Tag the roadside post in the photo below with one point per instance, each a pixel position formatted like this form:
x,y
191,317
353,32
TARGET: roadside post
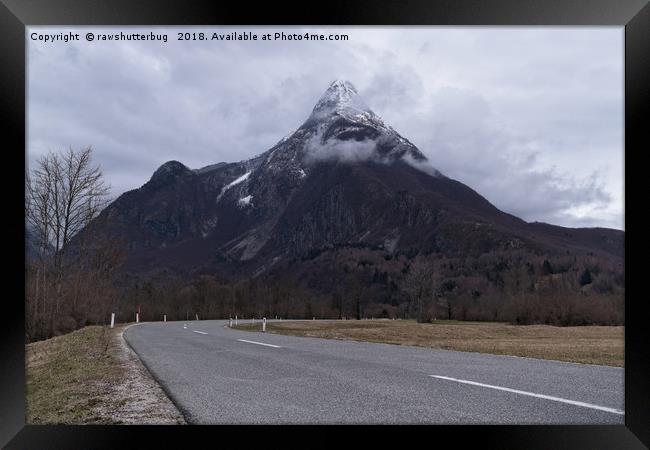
x,y
236,321
165,318
253,320
264,325
230,323
197,317
112,320
137,317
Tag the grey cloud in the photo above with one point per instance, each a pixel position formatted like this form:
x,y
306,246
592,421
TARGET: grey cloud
x,y
465,142
318,149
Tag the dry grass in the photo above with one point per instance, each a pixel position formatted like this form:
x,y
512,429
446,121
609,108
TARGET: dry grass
x,y
90,376
588,344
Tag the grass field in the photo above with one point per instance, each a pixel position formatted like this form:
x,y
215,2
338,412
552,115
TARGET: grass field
x,y
89,376
588,344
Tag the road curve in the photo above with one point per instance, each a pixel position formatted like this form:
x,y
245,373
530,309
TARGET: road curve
x,y
217,375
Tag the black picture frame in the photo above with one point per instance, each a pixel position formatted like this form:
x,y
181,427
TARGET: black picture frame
x,y
15,15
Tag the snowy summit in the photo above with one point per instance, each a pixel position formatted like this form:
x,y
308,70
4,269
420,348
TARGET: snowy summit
x,y
343,99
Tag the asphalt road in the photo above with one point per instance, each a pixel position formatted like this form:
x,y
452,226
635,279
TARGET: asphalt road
x,y
215,376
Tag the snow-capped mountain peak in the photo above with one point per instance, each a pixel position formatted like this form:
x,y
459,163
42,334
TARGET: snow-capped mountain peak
x,y
342,121
340,97
341,127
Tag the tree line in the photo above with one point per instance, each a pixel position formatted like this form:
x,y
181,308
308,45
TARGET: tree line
x,y
503,286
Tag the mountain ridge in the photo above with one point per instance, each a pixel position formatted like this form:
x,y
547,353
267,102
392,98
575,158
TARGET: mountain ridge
x,y
343,177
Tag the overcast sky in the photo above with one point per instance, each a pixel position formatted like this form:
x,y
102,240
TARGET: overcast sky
x,y
531,118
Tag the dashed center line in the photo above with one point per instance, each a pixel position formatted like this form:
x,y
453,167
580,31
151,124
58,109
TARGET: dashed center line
x,y
200,332
259,343
532,394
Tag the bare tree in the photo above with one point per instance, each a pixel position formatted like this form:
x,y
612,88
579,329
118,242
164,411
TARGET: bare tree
x,y
63,193
419,284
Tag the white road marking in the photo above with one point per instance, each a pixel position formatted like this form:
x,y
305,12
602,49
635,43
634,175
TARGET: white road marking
x,y
532,394
259,343
200,332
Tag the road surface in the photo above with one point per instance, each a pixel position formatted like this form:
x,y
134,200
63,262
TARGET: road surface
x,y
218,375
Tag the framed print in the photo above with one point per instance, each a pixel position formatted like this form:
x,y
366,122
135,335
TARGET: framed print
x,y
260,222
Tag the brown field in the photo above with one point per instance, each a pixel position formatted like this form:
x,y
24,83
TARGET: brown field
x,y
586,344
90,376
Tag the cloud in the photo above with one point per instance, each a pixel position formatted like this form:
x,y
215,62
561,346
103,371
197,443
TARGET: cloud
x,y
424,166
333,149
467,142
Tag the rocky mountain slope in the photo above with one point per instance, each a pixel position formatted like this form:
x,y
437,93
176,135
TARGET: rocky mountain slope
x,y
344,178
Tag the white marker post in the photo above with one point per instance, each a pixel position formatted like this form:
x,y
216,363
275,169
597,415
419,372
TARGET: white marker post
x,y
313,318
197,317
165,318
112,320
236,322
230,323
253,320
137,317
264,325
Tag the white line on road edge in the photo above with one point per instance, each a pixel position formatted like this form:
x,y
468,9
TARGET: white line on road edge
x,y
531,394
259,343
200,332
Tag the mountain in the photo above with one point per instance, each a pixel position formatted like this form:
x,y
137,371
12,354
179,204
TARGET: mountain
x,y
343,179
